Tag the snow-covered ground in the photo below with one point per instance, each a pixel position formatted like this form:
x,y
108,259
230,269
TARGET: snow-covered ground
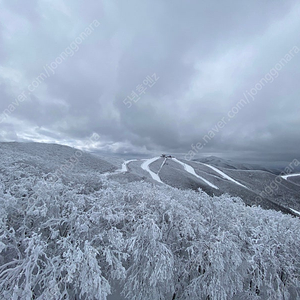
x,y
123,169
295,211
124,165
191,170
61,161
224,175
162,165
85,234
290,175
145,166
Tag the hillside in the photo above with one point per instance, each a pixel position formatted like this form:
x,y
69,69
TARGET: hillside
x,y
100,231
229,164
253,186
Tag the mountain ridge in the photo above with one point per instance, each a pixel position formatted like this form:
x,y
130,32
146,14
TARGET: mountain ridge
x,y
213,175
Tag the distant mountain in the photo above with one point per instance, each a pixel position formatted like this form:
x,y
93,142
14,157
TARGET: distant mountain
x,y
229,164
255,185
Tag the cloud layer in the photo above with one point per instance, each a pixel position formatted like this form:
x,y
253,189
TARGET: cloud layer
x,y
189,63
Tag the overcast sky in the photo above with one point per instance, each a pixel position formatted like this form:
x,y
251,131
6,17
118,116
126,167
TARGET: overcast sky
x,y
226,76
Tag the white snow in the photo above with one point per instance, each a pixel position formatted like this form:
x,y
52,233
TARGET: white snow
x,y
225,175
145,166
295,211
191,170
162,165
290,175
125,163
122,170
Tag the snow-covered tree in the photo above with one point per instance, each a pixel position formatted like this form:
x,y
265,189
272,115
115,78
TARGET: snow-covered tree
x,y
81,235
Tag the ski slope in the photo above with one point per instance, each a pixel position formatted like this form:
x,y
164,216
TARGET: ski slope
x,y
295,211
162,165
225,175
290,175
145,166
191,170
124,165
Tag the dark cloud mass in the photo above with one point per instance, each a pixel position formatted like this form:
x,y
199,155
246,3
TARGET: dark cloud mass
x,y
79,63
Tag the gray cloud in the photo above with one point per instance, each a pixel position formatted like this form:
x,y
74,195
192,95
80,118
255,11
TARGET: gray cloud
x,y
206,55
29,11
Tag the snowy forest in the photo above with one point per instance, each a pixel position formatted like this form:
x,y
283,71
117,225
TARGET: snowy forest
x,y
84,236
149,150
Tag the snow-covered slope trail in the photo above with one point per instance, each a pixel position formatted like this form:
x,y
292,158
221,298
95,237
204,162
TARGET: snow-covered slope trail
x,y
295,211
162,165
145,166
290,175
124,169
224,175
191,170
125,163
